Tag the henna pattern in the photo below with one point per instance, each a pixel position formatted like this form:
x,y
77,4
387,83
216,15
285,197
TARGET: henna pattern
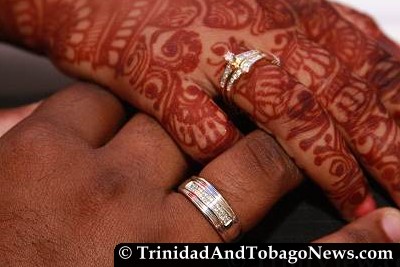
x,y
312,65
176,14
110,38
104,42
180,52
22,17
364,23
350,101
369,27
151,51
196,121
186,110
134,62
360,53
280,105
228,14
373,134
274,14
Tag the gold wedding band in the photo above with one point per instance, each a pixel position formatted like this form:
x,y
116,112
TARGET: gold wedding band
x,y
213,206
240,64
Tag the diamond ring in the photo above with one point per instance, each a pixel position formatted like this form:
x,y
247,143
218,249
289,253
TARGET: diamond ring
x,y
240,64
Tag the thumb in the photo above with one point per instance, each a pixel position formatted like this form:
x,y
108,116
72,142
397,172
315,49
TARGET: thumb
x,y
380,226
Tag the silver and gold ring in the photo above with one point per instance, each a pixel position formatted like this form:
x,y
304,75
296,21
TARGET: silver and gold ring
x,y
213,206
237,65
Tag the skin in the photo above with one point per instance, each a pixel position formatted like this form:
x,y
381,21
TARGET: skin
x,y
92,179
369,27
11,117
331,105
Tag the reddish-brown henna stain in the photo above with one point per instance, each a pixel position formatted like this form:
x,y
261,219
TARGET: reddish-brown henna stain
x,y
351,102
274,14
281,103
22,20
369,27
362,54
155,45
154,61
228,14
275,102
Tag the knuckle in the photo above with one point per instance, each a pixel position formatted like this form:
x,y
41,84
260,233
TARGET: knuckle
x,y
139,164
265,155
34,145
105,186
306,105
350,99
97,193
85,90
85,93
33,139
149,126
140,169
32,132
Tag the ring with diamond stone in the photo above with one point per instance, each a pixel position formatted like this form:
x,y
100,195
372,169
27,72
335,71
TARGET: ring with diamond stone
x,y
213,206
240,64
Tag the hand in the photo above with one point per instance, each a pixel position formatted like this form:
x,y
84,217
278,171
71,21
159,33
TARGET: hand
x,y
165,57
72,185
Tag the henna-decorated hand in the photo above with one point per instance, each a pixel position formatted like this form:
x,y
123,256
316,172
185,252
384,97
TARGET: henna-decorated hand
x,y
72,186
338,89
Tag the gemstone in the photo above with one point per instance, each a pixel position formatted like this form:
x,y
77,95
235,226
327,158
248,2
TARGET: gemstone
x,y
229,56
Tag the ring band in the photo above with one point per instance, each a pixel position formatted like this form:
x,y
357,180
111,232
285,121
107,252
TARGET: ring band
x,y
240,64
213,206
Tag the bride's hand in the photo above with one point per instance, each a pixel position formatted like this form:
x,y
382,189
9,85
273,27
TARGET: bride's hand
x,y
336,90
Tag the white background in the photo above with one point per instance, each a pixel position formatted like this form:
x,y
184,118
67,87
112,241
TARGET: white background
x,y
385,12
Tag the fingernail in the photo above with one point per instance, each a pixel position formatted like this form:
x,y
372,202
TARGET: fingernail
x,y
391,226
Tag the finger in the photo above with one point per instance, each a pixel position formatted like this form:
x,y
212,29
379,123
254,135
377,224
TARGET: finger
x,y
251,176
82,111
360,54
291,113
143,73
354,106
369,27
181,106
380,226
143,144
196,122
11,117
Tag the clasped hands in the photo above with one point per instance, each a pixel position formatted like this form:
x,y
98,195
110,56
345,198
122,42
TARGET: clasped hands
x,y
331,106
77,178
